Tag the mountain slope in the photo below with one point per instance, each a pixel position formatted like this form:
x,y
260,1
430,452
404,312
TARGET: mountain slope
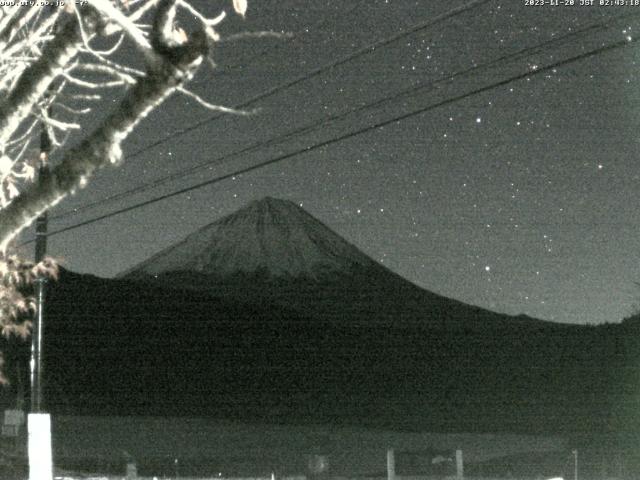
x,y
269,235
126,347
274,252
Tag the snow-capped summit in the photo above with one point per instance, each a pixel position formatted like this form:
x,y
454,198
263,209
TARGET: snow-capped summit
x,y
268,235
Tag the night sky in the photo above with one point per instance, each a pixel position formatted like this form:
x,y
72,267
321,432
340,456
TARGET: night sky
x,y
520,198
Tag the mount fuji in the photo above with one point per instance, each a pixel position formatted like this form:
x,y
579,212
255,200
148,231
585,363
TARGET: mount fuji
x,y
274,252
271,236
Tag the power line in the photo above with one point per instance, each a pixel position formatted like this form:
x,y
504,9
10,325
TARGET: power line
x,y
326,121
317,71
194,126
352,134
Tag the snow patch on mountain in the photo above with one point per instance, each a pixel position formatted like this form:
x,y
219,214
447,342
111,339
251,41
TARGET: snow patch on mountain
x,y
269,235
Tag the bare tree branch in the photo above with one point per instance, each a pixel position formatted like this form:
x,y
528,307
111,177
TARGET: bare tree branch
x,y
35,80
103,146
106,7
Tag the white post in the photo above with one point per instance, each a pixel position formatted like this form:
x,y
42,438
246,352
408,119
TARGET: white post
x,y
391,465
459,464
40,457
132,471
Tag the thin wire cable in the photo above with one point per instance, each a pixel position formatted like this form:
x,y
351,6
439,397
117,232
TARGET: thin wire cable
x,y
192,127
340,138
317,71
326,121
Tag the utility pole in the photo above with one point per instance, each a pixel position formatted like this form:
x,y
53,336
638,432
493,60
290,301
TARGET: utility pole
x,y
391,464
40,284
459,464
575,464
39,423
